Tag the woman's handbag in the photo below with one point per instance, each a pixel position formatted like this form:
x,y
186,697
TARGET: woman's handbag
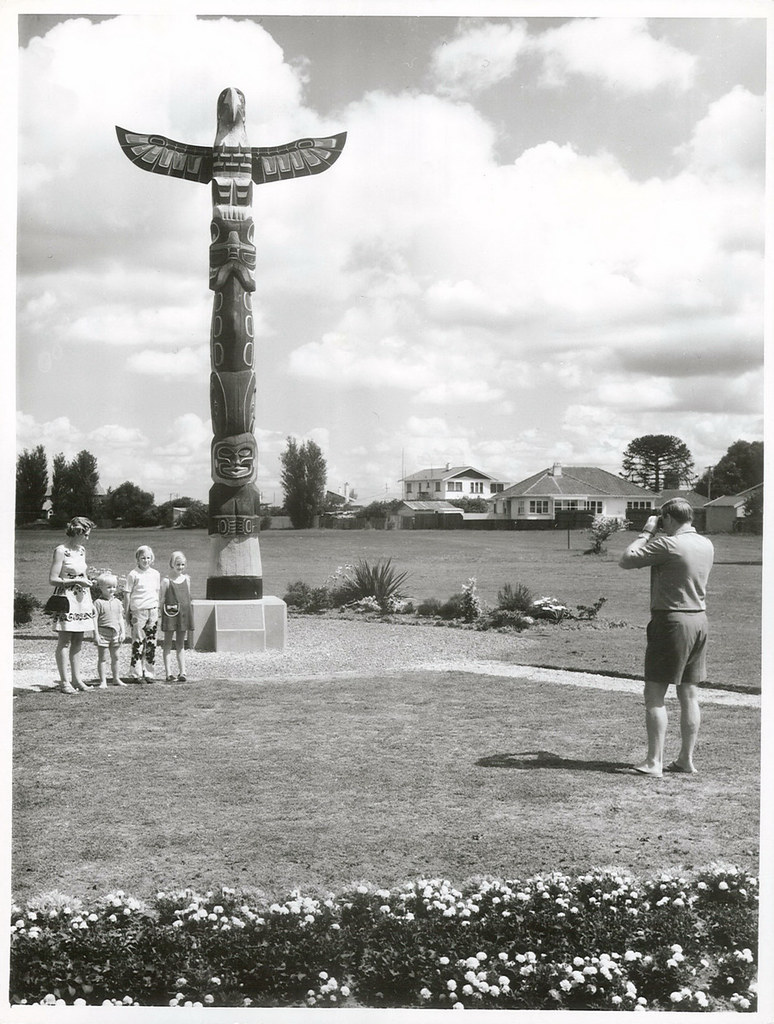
x,y
57,604
171,609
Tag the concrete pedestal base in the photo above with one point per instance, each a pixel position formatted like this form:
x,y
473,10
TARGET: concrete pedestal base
x,y
240,627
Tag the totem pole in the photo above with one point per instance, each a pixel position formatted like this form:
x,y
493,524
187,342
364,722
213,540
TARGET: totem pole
x,y
235,572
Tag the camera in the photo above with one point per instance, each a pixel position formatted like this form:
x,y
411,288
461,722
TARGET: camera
x,y
659,523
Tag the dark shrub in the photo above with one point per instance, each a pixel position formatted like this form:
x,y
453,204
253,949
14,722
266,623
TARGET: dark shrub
x,y
23,607
500,618
454,608
429,607
298,595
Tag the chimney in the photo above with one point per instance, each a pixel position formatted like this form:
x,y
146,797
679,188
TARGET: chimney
x,y
448,466
556,469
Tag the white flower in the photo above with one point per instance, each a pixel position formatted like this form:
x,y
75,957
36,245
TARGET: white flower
x,y
481,956
345,990
722,885
676,997
451,984
467,990
425,993
458,1006
443,960
209,998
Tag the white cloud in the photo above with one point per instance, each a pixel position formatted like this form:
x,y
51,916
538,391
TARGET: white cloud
x,y
479,56
729,140
421,272
620,52
185,363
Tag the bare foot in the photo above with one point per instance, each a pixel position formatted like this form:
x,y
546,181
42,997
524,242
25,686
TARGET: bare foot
x,y
66,688
82,688
645,769
102,686
118,682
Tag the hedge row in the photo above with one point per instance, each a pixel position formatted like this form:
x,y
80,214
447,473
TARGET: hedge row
x,y
597,941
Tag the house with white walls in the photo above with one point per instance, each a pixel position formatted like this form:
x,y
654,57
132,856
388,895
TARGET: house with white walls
x,y
567,489
446,483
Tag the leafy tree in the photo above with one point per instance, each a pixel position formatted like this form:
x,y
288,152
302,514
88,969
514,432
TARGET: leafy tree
x,y
31,483
741,467
753,511
195,516
470,504
379,509
303,481
165,509
74,487
130,504
653,459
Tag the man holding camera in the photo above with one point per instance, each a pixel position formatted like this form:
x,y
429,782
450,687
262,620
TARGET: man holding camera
x,y
680,561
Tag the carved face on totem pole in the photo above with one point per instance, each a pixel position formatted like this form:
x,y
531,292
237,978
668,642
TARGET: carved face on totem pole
x,y
233,460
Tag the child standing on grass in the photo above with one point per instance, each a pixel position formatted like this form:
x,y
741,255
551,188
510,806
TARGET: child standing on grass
x,y
109,630
176,614
141,603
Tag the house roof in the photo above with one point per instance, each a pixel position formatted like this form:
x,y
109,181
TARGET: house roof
x,y
575,481
694,499
447,473
431,506
733,499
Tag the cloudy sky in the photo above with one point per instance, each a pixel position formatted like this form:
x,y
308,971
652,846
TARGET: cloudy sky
x,y
543,239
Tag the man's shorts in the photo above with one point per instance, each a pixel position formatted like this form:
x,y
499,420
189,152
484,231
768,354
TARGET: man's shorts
x,y
677,648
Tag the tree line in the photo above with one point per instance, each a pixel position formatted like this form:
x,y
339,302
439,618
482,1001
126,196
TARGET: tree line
x,y
654,461
75,491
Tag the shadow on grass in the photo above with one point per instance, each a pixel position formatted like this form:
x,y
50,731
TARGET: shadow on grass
x,y
545,759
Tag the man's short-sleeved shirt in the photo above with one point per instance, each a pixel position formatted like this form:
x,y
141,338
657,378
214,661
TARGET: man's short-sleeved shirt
x,y
679,568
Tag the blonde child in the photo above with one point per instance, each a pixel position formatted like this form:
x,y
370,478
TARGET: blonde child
x,y
141,604
109,630
176,613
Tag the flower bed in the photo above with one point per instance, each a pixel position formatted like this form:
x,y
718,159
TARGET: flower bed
x,y
597,941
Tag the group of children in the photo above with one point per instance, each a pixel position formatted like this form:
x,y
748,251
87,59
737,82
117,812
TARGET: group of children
x,y
149,602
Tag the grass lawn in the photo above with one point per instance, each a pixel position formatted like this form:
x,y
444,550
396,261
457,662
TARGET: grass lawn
x,y
322,783
440,561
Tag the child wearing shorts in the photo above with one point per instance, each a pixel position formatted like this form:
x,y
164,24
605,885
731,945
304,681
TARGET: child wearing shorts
x,y
109,630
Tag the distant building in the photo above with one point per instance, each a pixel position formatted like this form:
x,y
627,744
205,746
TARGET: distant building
x,y
572,489
725,514
450,482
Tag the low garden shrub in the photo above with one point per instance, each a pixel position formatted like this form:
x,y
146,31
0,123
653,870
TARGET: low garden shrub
x,y
23,606
602,940
515,599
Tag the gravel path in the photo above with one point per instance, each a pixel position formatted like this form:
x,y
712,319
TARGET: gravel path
x,y
334,648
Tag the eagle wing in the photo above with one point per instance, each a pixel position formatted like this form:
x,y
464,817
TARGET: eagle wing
x,y
165,156
296,159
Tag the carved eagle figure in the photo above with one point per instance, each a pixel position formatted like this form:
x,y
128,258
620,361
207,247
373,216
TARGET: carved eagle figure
x,y
198,163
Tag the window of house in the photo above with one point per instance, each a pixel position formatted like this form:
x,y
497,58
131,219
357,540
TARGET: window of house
x,y
538,506
496,488
639,504
437,485
408,488
476,487
520,509
593,506
565,504
454,485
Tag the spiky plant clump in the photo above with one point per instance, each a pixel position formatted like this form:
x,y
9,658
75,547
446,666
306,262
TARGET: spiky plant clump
x,y
380,581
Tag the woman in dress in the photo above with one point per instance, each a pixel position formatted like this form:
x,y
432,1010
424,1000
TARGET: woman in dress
x,y
68,578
